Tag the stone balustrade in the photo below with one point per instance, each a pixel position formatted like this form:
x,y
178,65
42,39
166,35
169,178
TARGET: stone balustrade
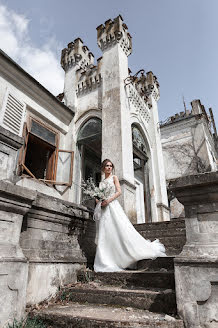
x,y
41,247
196,267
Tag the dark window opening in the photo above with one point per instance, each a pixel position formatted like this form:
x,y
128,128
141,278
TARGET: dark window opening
x,y
39,157
90,143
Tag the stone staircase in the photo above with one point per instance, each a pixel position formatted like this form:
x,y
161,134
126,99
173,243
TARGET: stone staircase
x,y
171,233
144,297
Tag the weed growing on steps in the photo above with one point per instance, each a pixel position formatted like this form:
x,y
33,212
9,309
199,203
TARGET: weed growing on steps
x,y
27,323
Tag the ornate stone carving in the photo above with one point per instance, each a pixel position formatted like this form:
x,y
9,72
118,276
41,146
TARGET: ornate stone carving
x,y
139,90
113,32
89,80
138,104
152,86
76,53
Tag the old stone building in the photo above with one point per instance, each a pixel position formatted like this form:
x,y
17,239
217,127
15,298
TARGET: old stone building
x,y
105,113
49,144
189,143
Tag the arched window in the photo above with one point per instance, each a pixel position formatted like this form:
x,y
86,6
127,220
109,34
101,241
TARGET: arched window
x,y
138,140
91,130
89,142
141,173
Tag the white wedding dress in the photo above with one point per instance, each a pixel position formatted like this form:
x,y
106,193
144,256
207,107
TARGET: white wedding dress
x,y
119,245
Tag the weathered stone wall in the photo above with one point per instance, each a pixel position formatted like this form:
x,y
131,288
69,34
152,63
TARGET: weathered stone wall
x,y
188,147
14,204
196,267
10,143
36,102
41,240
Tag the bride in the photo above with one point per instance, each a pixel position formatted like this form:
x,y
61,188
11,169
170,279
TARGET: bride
x,y
119,245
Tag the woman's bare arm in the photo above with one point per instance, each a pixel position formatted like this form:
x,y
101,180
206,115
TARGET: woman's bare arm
x,y
118,189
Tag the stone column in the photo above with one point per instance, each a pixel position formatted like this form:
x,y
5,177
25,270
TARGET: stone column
x,y
115,43
161,198
196,268
15,201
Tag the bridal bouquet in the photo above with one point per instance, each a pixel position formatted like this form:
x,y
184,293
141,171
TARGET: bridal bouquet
x,y
89,188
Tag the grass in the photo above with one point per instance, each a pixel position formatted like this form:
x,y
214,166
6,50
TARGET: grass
x,y
28,323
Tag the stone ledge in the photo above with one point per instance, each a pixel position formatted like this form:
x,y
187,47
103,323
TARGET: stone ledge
x,y
17,191
10,138
13,259
196,180
54,205
51,261
202,261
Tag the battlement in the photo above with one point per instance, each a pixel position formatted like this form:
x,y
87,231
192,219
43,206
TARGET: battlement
x,y
145,85
76,53
89,80
197,109
113,32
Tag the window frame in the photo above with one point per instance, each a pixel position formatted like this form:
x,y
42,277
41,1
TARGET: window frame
x,y
53,170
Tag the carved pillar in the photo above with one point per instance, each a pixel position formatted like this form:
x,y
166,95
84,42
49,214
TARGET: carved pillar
x,y
15,201
196,268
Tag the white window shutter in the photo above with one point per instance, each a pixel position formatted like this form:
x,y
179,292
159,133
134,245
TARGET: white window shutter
x,y
13,114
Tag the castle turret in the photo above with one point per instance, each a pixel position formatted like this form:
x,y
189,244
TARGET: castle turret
x,y
75,56
112,33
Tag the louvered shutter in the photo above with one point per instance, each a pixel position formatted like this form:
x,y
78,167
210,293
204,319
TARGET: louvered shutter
x,y
13,114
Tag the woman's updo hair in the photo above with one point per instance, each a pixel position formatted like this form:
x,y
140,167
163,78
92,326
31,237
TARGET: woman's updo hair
x,y
104,163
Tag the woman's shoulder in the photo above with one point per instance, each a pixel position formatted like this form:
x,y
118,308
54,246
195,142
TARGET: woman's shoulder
x,y
115,178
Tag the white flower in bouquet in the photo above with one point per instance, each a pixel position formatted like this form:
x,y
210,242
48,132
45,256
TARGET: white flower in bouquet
x,y
100,193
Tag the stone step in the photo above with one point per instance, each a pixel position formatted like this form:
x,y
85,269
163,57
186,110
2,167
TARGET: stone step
x,y
166,225
143,279
176,241
159,264
173,245
160,301
99,316
164,233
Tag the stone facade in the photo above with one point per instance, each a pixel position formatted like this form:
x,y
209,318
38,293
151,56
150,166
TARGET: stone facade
x,y
49,144
108,92
196,267
189,142
101,106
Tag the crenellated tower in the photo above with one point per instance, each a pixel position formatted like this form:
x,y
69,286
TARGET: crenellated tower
x,y
113,32
116,44
107,92
73,58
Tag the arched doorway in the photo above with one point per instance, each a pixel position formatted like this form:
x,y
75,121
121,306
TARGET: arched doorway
x,y
89,142
141,174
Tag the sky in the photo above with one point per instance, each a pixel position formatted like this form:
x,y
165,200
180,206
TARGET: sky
x,y
176,39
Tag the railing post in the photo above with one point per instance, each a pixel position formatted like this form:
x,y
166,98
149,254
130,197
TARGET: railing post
x,y
196,267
